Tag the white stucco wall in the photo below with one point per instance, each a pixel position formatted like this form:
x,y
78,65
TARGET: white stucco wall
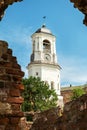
x,y
46,72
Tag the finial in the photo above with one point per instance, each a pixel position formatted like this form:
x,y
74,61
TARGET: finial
x,y
44,18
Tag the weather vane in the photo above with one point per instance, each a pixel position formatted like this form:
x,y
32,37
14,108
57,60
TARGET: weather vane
x,y
44,19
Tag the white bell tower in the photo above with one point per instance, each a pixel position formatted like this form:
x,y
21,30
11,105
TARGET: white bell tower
x,y
43,60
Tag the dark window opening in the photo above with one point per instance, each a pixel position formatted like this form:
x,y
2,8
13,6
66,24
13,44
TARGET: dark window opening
x,y
46,45
36,73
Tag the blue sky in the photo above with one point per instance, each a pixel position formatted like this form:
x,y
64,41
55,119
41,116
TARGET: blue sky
x,y
66,23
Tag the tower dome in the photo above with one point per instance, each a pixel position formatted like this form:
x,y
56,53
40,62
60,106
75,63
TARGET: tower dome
x,y
44,29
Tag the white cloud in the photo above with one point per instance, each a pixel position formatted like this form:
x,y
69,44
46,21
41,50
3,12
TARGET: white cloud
x,y
74,70
17,34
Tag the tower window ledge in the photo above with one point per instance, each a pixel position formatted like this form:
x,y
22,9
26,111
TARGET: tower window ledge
x,y
47,50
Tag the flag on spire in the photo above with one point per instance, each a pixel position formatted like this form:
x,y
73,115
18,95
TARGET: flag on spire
x,y
44,17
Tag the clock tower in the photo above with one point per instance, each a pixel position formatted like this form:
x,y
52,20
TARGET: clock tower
x,y
43,60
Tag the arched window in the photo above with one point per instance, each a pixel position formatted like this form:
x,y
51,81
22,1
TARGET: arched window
x,y
52,85
46,46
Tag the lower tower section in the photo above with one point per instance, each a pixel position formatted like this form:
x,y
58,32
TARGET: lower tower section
x,y
49,73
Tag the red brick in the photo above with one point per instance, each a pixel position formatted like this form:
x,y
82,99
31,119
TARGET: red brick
x,y
20,86
18,114
17,100
3,64
10,84
14,92
5,77
4,121
10,76
14,120
14,72
17,66
16,78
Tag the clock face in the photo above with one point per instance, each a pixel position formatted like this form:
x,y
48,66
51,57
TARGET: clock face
x,y
47,57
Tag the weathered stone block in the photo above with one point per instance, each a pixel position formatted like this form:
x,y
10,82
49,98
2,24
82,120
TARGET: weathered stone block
x,y
5,108
3,94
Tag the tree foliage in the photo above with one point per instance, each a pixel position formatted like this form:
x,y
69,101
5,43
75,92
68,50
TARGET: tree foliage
x,y
37,95
77,92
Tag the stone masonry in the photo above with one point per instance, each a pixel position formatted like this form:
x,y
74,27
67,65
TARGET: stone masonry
x,y
10,89
74,117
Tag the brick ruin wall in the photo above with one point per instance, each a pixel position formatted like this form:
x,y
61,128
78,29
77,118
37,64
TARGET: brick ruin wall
x,y
10,89
67,93
74,117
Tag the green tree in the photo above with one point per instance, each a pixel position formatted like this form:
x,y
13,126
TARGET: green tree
x,y
77,92
37,95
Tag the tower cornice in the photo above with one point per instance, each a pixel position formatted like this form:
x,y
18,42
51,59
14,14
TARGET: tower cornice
x,y
45,64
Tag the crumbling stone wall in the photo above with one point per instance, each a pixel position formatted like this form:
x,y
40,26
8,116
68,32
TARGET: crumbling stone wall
x,y
10,89
46,120
74,117
67,93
